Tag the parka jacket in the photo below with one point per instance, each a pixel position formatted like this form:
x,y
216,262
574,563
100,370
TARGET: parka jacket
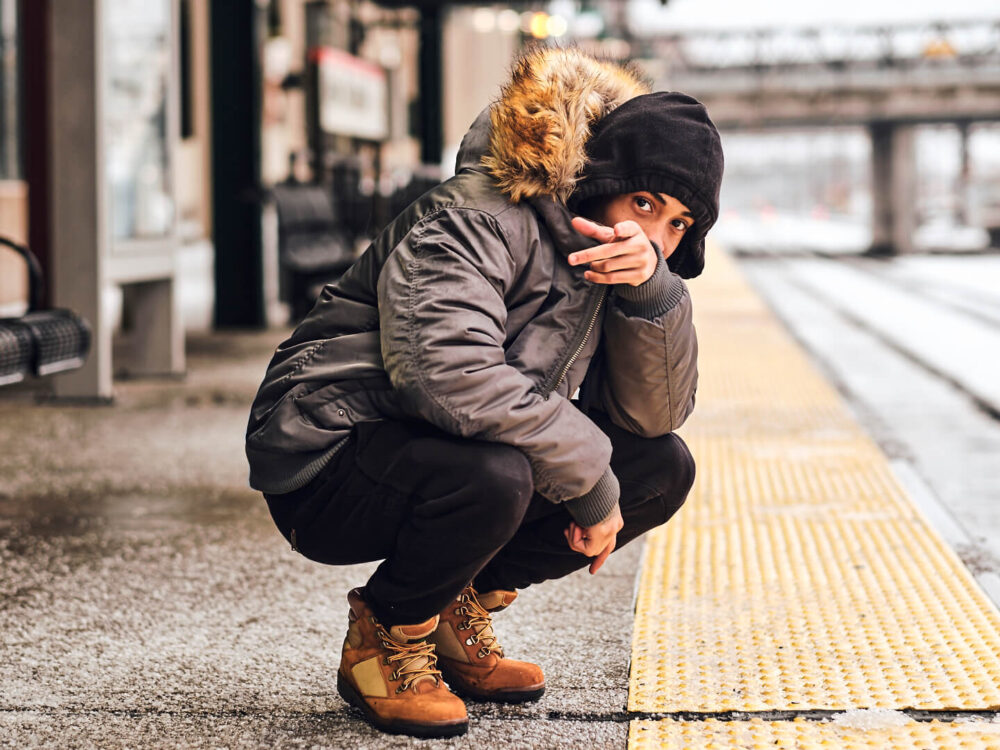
x,y
465,313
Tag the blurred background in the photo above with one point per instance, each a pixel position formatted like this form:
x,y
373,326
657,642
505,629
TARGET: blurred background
x,y
186,165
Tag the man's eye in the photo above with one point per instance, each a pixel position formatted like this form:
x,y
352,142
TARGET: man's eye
x,y
644,204
680,225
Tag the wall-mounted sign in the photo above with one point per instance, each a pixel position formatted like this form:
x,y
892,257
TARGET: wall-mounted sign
x,y
353,97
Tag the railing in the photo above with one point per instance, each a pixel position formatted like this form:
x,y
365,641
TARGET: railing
x,y
967,43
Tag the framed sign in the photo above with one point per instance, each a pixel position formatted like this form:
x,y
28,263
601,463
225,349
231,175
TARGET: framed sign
x,y
352,95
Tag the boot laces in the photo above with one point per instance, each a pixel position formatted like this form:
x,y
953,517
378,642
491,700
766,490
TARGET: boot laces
x,y
479,620
414,660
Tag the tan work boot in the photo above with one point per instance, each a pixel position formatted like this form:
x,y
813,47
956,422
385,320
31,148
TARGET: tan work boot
x,y
391,676
470,657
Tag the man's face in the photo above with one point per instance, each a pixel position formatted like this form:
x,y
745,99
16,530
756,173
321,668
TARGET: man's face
x,y
662,217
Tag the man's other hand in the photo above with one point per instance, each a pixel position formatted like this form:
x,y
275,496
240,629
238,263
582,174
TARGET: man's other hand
x,y
597,541
626,257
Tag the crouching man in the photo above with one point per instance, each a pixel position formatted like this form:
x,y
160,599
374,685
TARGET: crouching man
x,y
424,413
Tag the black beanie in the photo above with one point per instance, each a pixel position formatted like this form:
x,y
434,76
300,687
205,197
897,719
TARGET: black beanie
x,y
663,143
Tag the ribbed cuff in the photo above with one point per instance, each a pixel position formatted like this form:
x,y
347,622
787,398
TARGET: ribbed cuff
x,y
655,296
596,505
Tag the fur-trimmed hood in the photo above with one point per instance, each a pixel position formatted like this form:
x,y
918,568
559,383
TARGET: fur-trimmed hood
x,y
542,121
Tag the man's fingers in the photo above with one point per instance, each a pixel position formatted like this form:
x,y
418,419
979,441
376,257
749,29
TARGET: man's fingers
x,y
625,229
592,229
619,263
601,252
599,560
575,539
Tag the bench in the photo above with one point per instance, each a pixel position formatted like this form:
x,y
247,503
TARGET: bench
x,y
40,342
313,248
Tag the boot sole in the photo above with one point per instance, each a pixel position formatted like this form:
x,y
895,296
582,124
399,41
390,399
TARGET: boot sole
x,y
508,696
422,729
520,696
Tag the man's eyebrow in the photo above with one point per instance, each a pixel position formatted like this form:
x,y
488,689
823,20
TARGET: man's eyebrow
x,y
663,201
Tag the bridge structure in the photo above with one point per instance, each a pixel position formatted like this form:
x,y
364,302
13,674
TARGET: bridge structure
x,y
886,78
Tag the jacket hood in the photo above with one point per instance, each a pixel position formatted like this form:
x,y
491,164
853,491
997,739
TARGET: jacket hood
x,y
540,125
664,143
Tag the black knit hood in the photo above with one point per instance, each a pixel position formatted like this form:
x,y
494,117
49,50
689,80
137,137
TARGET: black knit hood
x,y
663,142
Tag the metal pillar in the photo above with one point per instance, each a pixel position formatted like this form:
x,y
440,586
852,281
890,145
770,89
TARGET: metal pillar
x,y
894,188
239,273
35,25
431,75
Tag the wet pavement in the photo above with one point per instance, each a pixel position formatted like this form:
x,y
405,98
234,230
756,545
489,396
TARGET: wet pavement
x,y
147,601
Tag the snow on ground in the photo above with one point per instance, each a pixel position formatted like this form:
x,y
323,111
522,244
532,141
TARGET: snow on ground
x,y
777,233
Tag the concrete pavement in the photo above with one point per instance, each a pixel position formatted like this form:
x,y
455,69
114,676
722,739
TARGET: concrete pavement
x,y
147,601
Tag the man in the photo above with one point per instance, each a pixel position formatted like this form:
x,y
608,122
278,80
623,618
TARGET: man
x,y
423,414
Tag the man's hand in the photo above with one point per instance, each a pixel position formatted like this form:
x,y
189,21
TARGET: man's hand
x,y
626,257
597,541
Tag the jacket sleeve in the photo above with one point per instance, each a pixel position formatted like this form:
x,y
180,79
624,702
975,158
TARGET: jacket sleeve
x,y
648,374
443,318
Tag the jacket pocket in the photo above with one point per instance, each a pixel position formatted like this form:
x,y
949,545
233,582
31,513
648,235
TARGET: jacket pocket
x,y
339,406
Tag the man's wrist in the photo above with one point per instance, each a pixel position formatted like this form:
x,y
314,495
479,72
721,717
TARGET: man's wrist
x,y
598,504
655,296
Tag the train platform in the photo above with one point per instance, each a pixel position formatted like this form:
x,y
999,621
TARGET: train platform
x,y
800,599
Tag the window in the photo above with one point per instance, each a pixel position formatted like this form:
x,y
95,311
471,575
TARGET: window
x,y
138,68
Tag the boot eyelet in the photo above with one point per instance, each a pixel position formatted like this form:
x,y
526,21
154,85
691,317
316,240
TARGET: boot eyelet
x,y
394,676
471,640
400,689
482,653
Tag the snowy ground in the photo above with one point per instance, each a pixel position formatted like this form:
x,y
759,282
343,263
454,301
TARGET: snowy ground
x,y
770,232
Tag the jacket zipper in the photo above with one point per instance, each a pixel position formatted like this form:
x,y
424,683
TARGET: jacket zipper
x,y
546,392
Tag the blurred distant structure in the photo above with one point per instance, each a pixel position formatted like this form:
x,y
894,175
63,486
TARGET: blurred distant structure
x,y
143,142
888,79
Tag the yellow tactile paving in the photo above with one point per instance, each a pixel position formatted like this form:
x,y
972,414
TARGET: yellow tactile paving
x,y
799,575
733,735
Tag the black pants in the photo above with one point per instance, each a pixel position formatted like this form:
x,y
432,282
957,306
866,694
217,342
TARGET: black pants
x,y
442,511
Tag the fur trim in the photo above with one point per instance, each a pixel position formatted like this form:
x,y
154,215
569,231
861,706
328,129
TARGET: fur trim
x,y
542,120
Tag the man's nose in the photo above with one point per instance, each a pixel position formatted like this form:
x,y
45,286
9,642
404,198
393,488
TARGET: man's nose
x,y
661,242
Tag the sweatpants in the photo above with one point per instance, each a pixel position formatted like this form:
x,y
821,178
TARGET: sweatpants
x,y
442,511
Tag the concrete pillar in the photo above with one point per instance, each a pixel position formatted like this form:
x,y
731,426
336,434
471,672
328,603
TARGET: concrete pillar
x,y
963,190
85,261
156,341
894,188
78,222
